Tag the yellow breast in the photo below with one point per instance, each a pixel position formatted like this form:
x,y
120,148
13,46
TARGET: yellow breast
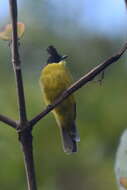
x,y
56,78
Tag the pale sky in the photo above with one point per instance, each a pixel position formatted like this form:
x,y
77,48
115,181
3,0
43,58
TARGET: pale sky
x,y
107,15
3,8
104,16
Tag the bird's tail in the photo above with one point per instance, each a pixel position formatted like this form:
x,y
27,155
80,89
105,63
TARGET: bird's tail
x,y
69,138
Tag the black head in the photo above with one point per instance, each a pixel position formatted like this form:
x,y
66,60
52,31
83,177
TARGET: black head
x,y
54,56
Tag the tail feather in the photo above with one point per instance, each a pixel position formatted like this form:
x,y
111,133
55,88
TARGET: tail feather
x,y
69,138
74,133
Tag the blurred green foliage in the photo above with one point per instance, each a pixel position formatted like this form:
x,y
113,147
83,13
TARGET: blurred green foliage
x,y
101,111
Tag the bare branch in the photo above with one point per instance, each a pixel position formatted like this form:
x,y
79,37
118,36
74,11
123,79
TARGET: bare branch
x,y
126,2
78,84
25,137
8,121
16,62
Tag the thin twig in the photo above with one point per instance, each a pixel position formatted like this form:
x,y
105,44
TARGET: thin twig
x,y
16,62
25,137
81,82
8,121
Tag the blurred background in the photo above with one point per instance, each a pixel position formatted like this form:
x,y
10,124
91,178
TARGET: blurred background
x,y
88,32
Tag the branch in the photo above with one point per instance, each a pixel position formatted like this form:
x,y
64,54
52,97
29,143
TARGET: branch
x,y
25,137
81,82
16,62
126,2
8,121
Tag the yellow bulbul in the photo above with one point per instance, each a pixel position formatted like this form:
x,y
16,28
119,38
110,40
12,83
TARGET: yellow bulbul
x,y
56,78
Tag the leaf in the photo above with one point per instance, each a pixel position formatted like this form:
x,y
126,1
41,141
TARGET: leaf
x,y
123,182
121,162
6,33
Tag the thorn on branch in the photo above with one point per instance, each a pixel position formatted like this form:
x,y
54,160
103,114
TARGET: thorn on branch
x,y
100,80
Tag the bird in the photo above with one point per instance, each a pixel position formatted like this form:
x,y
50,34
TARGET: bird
x,y
55,78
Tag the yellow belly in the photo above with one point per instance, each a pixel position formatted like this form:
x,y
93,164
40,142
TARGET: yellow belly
x,y
55,78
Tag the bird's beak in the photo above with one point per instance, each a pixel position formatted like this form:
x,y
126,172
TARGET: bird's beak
x,y
64,57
